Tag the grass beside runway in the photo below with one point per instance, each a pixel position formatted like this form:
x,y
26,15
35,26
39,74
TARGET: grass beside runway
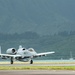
x,y
37,68
31,67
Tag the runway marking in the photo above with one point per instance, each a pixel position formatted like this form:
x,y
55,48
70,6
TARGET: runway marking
x,y
37,72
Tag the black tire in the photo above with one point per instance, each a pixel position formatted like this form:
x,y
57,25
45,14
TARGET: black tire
x,y
11,60
31,62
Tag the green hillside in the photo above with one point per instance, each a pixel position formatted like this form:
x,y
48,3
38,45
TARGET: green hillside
x,y
61,44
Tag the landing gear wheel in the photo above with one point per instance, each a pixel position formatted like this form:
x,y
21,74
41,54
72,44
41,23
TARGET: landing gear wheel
x,y
11,60
31,62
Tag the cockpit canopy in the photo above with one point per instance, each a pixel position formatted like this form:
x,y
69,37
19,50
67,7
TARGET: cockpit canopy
x,y
23,49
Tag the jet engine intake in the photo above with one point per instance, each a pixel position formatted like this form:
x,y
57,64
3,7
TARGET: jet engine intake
x,y
11,51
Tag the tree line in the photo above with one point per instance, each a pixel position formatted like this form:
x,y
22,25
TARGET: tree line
x,y
26,35
66,33
31,35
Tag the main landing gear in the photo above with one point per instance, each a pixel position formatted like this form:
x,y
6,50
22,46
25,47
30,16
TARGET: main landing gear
x,y
31,61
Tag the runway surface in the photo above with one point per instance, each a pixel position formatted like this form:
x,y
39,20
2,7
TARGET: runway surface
x,y
37,64
36,72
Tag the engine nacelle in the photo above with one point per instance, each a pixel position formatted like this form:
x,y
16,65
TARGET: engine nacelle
x,y
31,49
11,51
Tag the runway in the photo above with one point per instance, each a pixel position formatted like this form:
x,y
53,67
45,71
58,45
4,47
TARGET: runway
x,y
37,64
36,72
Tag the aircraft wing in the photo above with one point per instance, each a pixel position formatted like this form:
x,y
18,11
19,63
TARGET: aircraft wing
x,y
43,54
7,55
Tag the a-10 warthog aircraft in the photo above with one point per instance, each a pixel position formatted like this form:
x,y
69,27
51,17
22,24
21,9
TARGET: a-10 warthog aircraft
x,y
22,54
